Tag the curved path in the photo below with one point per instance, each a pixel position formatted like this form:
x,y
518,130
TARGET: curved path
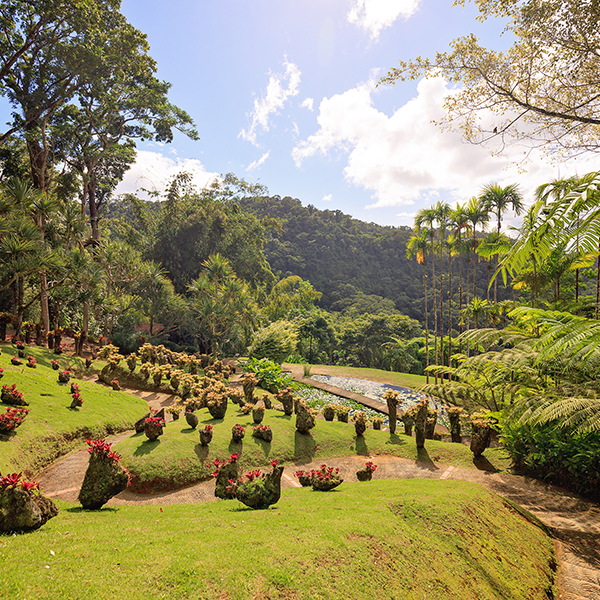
x,y
575,523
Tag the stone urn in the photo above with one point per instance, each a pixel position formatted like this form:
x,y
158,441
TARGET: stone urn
x,y
329,412
263,432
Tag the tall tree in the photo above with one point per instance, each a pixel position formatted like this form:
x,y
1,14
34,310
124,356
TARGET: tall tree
x,y
498,199
419,246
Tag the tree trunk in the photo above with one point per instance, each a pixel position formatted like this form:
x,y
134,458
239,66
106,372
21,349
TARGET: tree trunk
x,y
426,322
435,316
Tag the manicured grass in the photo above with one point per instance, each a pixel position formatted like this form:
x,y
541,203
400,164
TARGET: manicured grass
x,y
177,459
391,377
386,539
52,428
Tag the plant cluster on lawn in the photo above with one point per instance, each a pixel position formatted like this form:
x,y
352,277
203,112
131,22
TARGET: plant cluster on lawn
x,y
14,479
268,374
12,418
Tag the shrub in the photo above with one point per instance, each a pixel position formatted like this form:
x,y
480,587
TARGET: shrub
x,y
268,374
558,456
275,342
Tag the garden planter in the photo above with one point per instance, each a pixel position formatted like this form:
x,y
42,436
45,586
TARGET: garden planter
x,y
420,423
64,377
263,432
24,509
217,410
237,434
364,475
205,436
11,419
304,420
324,484
76,403
304,478
153,431
262,492
258,415
342,416
329,413
391,398
480,438
103,479
191,419
377,424
286,397
11,395
360,428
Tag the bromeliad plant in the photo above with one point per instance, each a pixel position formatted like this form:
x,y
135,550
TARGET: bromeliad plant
x,y
263,432
325,479
237,433
11,395
31,362
55,365
14,480
12,418
256,489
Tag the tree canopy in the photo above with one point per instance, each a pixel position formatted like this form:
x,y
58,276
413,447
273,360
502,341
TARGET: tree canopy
x,y
543,89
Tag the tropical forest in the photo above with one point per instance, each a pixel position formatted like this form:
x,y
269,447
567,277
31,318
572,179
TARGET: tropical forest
x,y
210,390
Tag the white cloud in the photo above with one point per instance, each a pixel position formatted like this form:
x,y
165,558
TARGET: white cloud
x,y
308,103
404,159
375,15
153,171
257,163
273,100
327,198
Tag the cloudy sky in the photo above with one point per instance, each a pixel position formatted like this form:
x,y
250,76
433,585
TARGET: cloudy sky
x,y
284,93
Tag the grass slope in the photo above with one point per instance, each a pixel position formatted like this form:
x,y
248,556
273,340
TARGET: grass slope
x,y
177,459
386,539
52,428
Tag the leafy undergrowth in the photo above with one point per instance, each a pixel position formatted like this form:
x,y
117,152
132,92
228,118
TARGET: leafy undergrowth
x,y
52,428
386,539
177,458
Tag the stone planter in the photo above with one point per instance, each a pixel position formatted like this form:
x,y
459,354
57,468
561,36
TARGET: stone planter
x,y
263,433
258,414
305,480
237,434
104,479
217,410
364,475
420,423
360,427
24,510
342,416
205,436
324,485
64,377
304,420
191,419
153,431
480,438
262,492
329,413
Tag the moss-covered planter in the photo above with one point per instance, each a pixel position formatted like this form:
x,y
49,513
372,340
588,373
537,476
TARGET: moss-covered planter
x,y
421,423
342,413
191,419
454,413
286,397
263,432
391,398
329,412
206,435
325,479
228,471
304,419
103,479
364,475
480,437
153,431
24,509
258,414
237,433
261,492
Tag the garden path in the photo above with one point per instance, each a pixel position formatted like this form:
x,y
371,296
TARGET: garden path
x,y
574,523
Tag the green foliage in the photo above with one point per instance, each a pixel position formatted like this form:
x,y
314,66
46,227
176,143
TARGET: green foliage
x,y
556,455
275,342
363,340
268,374
290,294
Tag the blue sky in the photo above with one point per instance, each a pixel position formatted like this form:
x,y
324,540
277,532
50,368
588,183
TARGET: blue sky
x,y
283,93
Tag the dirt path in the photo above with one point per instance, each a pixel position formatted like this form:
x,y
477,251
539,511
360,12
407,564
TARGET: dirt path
x,y
575,523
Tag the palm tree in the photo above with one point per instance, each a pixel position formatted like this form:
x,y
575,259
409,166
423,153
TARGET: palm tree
x,y
477,216
426,218
460,247
442,217
419,246
497,199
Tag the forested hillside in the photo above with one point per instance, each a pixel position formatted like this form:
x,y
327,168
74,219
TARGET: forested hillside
x,y
341,256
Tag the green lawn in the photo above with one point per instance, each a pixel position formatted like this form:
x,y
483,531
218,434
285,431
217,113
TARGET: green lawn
x,y
391,377
177,459
52,428
386,539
